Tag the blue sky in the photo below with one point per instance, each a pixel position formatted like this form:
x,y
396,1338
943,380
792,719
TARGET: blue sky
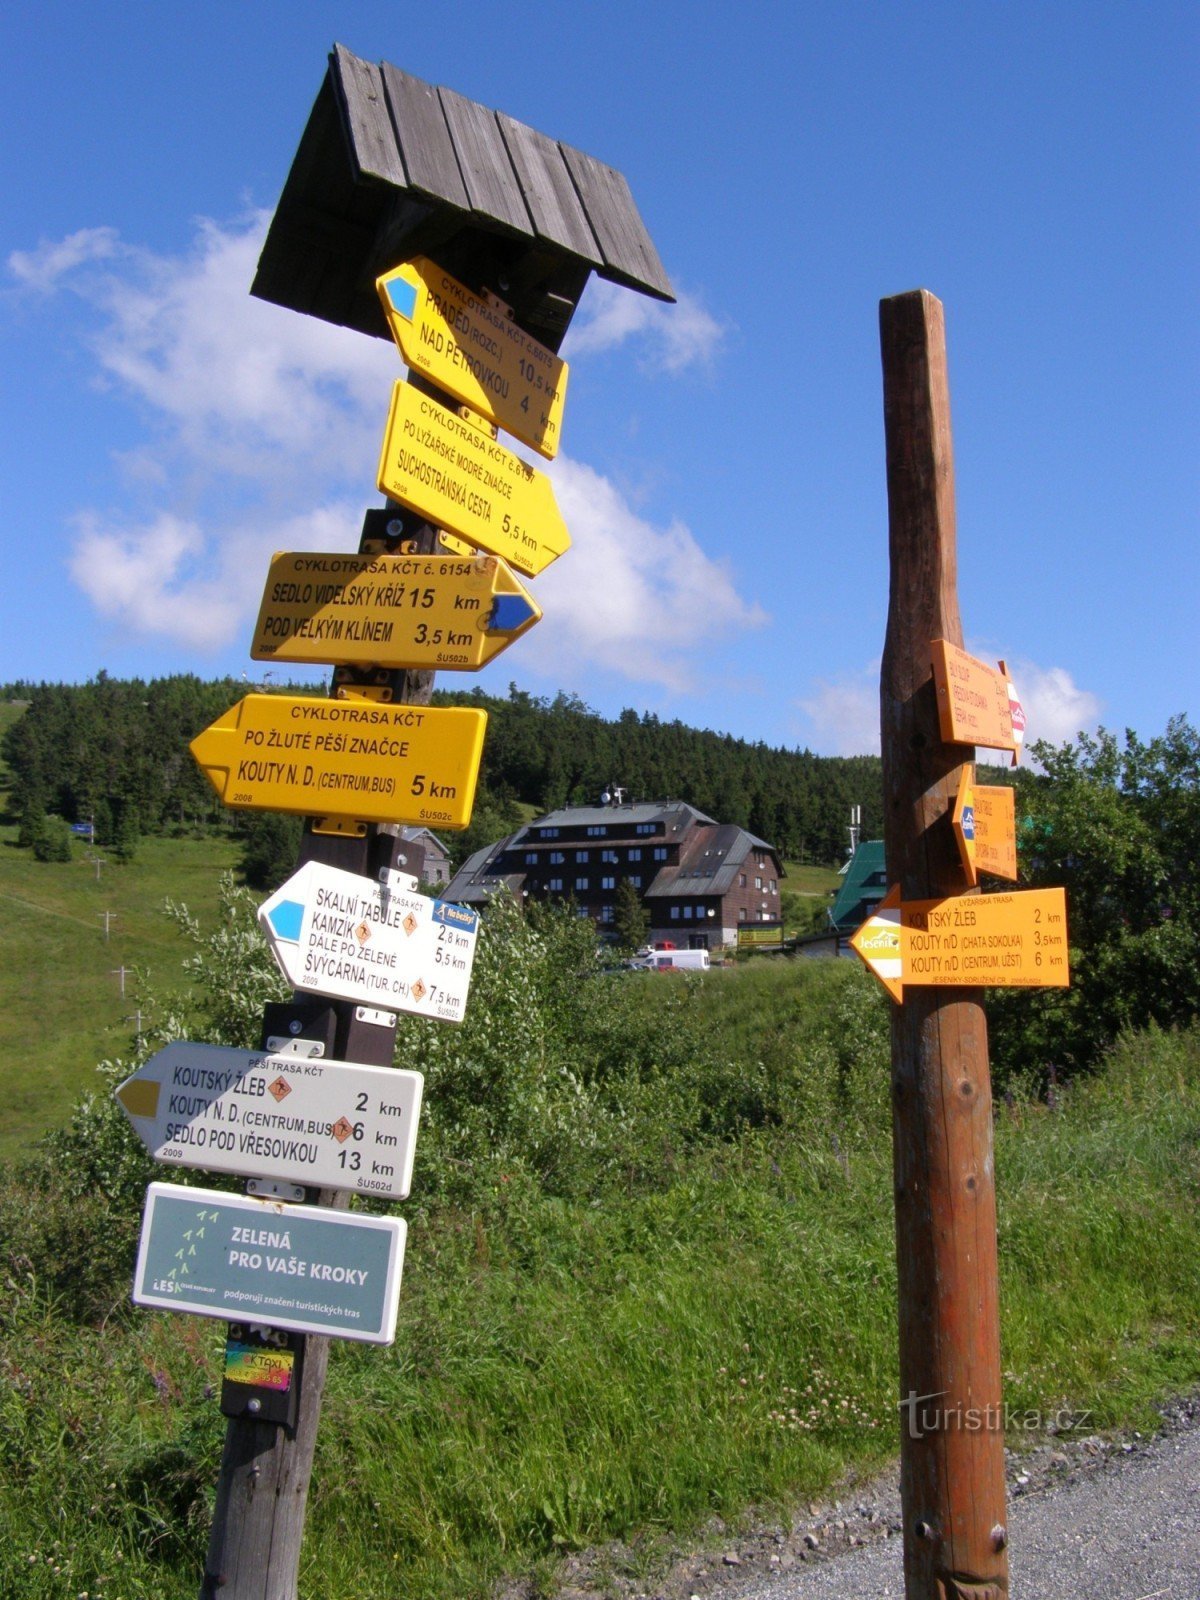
x,y
722,472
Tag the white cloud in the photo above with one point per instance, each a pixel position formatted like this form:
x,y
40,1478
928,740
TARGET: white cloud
x,y
844,714
1056,708
256,415
635,599
673,336
43,268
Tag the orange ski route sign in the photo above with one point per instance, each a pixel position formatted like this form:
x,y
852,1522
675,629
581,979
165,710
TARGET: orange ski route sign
x,y
977,704
985,828
472,348
1016,940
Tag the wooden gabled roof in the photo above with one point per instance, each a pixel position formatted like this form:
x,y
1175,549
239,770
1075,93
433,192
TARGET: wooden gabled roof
x,y
390,167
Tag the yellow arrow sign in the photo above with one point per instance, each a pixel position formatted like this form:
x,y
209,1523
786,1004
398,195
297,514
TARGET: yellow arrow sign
x,y
985,827
345,758
1016,940
390,611
976,704
450,470
474,350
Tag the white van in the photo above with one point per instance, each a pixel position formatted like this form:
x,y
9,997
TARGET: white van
x,y
675,960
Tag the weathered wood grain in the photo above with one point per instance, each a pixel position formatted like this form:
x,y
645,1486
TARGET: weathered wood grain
x,y
484,162
426,147
550,193
628,252
952,1474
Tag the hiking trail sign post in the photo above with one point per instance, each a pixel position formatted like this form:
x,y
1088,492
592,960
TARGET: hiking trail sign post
x,y
935,700
486,233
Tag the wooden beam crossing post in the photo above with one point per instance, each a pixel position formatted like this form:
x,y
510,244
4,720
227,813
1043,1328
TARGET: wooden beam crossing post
x,y
952,1439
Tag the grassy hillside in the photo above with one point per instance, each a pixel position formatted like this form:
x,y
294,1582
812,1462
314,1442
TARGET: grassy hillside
x,y
60,985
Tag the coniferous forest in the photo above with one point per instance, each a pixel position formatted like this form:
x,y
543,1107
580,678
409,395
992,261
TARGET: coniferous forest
x,y
115,752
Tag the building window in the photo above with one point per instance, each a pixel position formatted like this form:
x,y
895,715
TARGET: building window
x,y
609,855
687,913
599,831
674,913
557,858
741,913
741,880
635,855
531,858
547,833
606,913
660,852
636,880
645,827
581,883
554,884
581,855
771,886
582,911
758,883
608,883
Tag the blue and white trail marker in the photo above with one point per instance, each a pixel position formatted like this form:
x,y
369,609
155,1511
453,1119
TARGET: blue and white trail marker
x,y
380,944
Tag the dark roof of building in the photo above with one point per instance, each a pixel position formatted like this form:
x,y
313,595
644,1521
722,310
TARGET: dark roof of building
x,y
709,862
711,853
390,167
624,818
863,887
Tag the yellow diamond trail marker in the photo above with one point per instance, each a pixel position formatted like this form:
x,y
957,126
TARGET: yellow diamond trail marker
x,y
1016,940
391,611
474,350
984,821
381,944
321,1123
346,758
976,703
450,470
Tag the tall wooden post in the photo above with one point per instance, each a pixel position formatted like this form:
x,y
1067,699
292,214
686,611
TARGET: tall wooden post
x,y
952,1440
262,1491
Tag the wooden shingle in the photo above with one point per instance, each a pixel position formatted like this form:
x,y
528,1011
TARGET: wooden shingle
x,y
390,167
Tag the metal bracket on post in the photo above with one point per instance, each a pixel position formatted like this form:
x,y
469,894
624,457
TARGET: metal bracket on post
x,y
262,1374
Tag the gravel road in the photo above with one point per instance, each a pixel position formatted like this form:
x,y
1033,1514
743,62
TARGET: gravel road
x,y
1089,1519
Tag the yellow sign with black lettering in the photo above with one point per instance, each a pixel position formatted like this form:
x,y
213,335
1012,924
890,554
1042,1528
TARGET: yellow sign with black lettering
x,y
346,758
449,469
391,611
472,348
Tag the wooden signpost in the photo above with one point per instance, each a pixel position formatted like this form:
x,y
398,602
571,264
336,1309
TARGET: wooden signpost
x,y
951,1475
391,611
495,230
449,468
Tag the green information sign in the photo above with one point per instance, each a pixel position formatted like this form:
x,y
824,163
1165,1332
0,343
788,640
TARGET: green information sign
x,y
299,1267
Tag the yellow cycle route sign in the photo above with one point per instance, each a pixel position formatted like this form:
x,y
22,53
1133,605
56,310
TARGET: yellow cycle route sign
x,y
390,611
346,758
450,470
474,350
